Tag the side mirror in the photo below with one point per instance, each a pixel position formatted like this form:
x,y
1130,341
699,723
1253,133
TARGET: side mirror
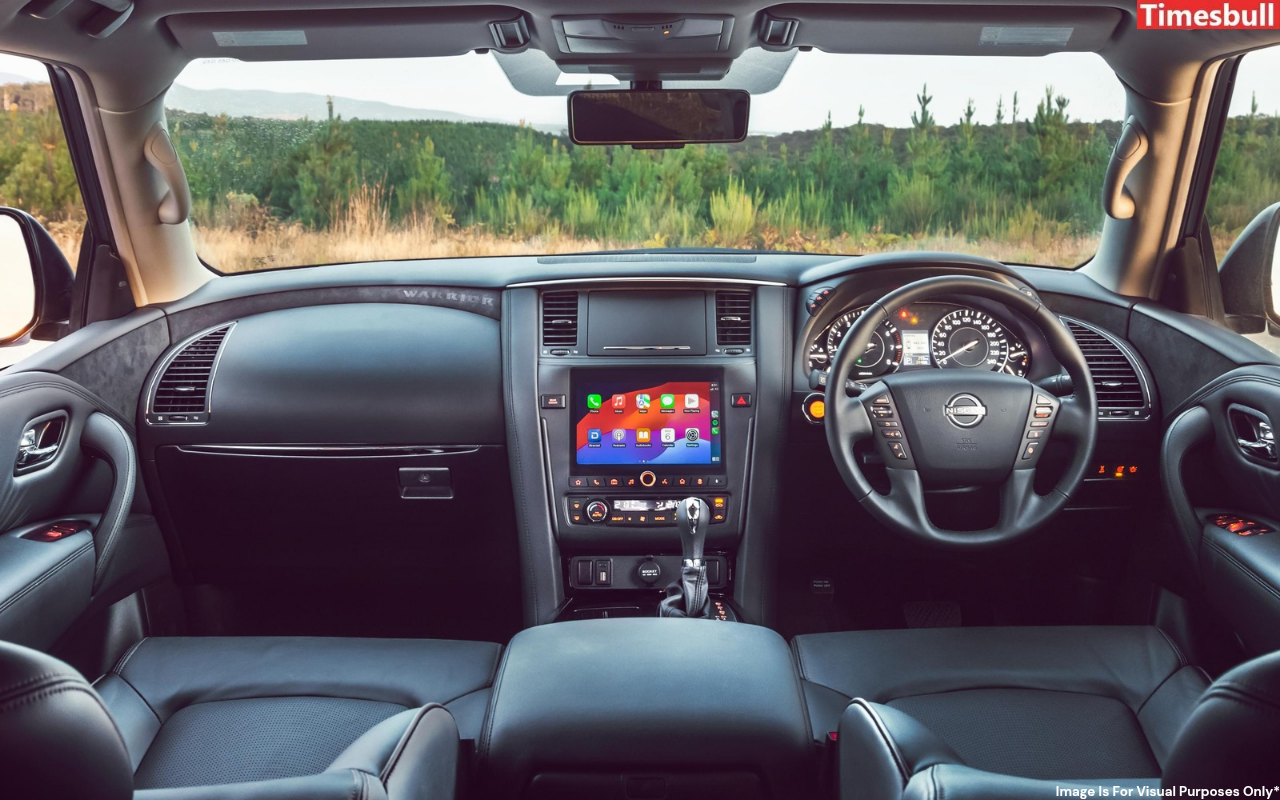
x,y
1250,276
35,281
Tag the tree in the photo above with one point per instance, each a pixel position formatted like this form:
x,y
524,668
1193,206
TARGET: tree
x,y
324,173
426,189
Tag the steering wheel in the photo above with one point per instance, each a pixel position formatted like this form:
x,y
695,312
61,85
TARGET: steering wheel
x,y
949,427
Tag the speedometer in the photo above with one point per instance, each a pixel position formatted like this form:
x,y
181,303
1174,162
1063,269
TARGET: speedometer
x,y
971,339
883,354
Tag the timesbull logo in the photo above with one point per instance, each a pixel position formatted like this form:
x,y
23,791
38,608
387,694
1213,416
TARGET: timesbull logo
x,y
1206,15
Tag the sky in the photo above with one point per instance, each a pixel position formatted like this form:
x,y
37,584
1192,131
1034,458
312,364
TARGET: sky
x,y
816,84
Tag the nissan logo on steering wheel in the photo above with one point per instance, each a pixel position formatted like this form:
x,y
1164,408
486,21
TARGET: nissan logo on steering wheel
x,y
965,411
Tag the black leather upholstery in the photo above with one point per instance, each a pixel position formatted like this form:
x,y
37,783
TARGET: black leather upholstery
x,y
186,721
286,704
56,737
1228,743
1047,703
713,709
1231,737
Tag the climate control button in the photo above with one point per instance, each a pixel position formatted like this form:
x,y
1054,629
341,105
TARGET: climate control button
x,y
597,511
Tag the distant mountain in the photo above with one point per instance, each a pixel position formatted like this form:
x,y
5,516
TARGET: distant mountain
x,y
11,77
297,105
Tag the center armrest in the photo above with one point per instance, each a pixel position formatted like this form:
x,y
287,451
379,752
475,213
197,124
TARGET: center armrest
x,y
581,705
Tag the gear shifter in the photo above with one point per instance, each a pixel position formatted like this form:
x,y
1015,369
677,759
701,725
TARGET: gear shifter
x,y
689,597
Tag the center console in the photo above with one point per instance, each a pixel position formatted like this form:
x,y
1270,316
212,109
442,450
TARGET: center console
x,y
720,715
646,399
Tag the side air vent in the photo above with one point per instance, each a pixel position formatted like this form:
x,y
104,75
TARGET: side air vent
x,y
560,320
181,394
733,318
1115,378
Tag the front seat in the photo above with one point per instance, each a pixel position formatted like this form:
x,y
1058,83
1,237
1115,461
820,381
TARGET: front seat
x,y
244,718
1226,746
1052,703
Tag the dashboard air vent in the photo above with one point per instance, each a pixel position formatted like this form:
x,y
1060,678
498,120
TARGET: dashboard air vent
x,y
733,318
560,319
1114,377
181,395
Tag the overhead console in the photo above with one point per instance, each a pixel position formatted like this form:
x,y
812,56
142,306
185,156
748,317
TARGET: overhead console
x,y
692,33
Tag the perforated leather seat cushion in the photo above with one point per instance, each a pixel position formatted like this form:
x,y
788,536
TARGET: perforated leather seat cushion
x,y
1050,703
206,711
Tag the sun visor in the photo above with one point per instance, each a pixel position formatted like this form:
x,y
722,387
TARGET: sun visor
x,y
347,34
952,30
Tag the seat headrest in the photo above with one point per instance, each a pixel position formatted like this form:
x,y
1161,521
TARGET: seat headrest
x,y
56,737
1230,739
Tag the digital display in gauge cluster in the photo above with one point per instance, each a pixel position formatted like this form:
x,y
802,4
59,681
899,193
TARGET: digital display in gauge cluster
x,y
939,335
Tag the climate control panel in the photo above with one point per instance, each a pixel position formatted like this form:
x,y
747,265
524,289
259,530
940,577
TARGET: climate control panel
x,y
645,512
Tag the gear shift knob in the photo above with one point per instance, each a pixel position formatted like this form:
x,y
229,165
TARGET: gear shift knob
x,y
692,517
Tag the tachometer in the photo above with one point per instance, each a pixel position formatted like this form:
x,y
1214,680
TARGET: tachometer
x,y
883,354
971,339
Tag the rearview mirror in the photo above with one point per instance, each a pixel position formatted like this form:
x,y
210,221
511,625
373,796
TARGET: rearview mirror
x,y
658,118
35,281
1250,275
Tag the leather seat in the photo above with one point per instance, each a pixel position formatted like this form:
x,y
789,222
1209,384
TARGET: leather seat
x,y
1226,744
270,718
1053,703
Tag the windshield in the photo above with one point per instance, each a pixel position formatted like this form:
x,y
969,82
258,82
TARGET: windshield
x,y
323,162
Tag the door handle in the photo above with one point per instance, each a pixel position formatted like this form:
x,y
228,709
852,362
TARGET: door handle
x,y
1254,434
40,442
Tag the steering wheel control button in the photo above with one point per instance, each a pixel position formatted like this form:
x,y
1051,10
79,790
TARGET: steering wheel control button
x,y
891,433
965,411
597,511
1034,434
1030,450
882,400
1043,412
1040,423
648,478
898,451
1043,400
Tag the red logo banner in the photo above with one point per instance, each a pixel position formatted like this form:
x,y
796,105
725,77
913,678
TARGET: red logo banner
x,y
1206,15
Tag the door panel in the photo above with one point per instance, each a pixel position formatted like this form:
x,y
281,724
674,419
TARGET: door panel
x,y
1221,474
68,472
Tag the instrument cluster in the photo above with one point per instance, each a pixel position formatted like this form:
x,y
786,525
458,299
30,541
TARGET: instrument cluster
x,y
926,335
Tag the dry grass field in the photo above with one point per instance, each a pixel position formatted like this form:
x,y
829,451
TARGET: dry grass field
x,y
364,232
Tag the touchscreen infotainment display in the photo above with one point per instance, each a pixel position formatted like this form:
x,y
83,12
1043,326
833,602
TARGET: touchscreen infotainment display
x,y
645,420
